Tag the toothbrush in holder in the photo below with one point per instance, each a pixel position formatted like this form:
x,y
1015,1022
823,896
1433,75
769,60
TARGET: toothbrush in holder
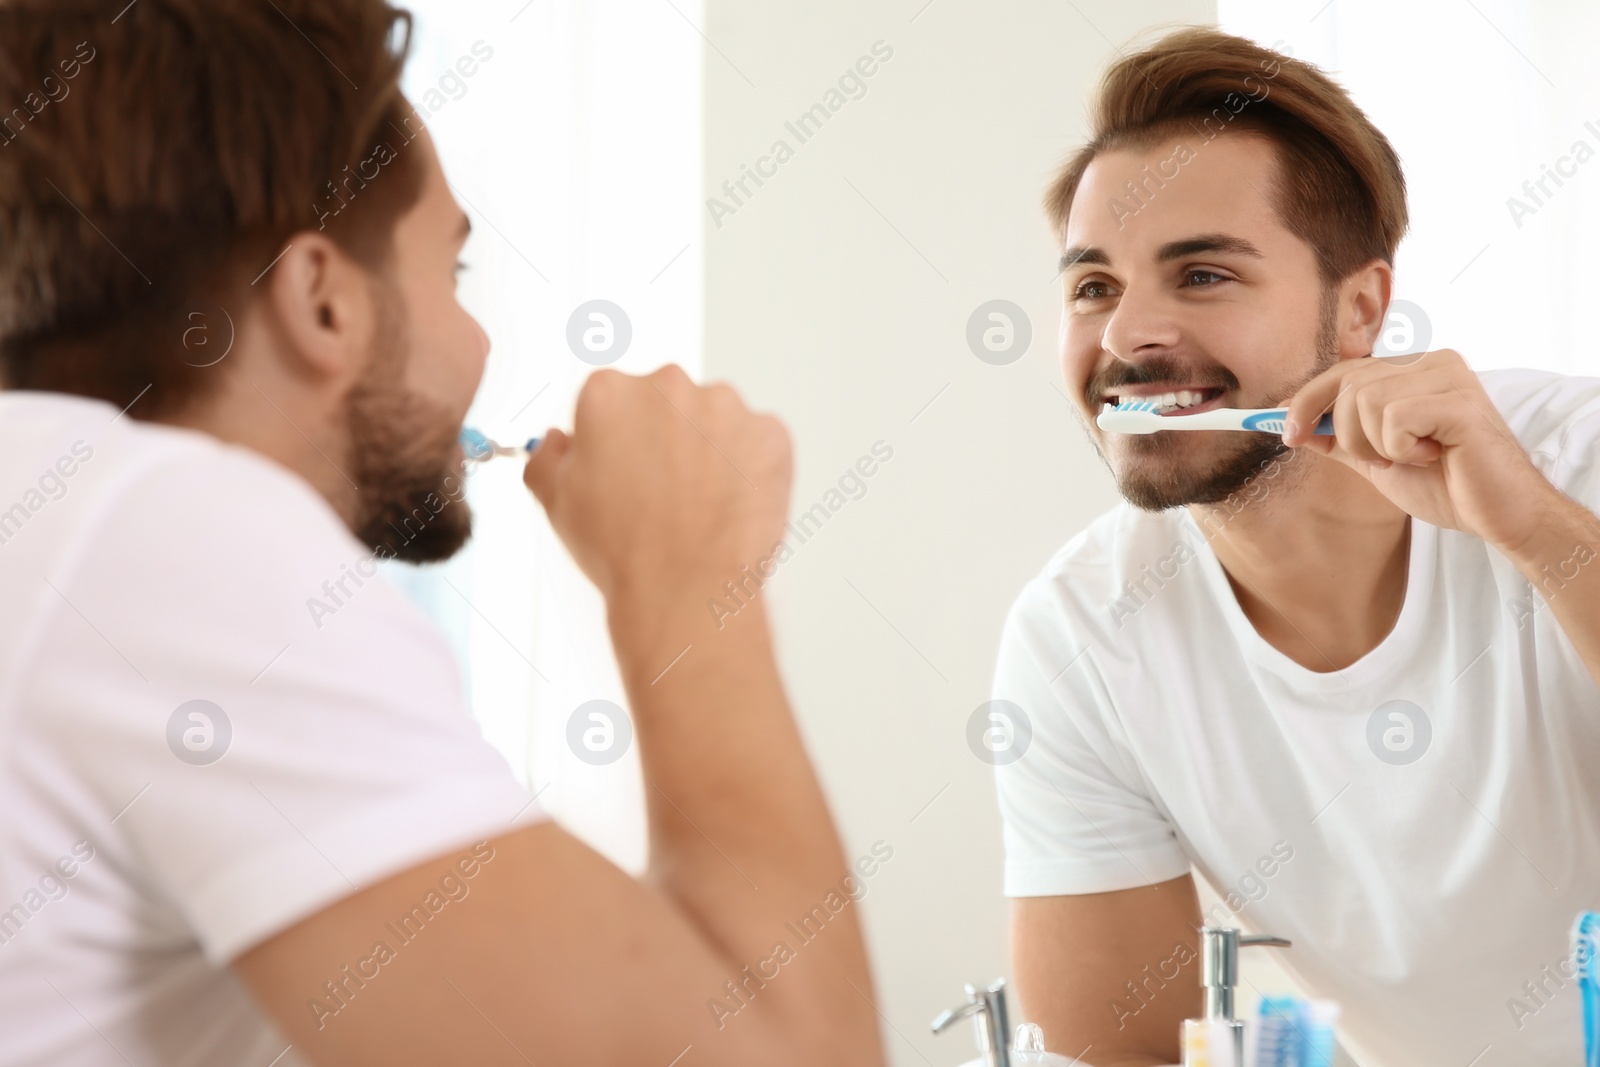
x,y
1143,416
481,448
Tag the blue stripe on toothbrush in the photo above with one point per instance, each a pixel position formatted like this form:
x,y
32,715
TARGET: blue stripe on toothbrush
x,y
1272,421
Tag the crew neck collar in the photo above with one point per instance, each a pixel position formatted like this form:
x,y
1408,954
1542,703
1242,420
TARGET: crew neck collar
x,y
1397,645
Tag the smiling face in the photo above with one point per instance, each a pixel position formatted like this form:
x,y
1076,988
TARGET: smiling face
x,y
1195,294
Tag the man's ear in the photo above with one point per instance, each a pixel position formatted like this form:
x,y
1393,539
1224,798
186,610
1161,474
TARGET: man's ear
x,y
320,302
1363,307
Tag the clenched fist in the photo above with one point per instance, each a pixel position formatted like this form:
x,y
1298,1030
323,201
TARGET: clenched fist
x,y
663,491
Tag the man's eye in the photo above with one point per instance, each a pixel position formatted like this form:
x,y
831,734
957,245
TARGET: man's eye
x,y
1208,277
1091,291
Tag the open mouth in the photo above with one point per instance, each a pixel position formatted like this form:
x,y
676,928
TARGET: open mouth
x,y
1177,402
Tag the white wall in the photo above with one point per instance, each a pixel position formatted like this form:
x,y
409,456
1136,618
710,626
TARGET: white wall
x,y
1478,99
838,295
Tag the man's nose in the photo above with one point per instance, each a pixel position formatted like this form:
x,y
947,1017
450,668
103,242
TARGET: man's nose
x,y
1141,324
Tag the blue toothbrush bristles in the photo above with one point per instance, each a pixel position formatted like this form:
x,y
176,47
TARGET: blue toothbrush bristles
x,y
481,447
475,444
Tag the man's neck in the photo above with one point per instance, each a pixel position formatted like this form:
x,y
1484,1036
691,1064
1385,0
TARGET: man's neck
x,y
277,417
1317,559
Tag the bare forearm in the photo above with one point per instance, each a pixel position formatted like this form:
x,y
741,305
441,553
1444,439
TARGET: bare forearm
x,y
1110,976
740,831
1562,561
645,495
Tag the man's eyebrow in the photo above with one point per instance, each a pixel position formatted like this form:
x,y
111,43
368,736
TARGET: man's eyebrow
x,y
1088,254
1222,243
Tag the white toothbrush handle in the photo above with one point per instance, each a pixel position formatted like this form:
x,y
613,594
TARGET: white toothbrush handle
x,y
1215,419
1264,420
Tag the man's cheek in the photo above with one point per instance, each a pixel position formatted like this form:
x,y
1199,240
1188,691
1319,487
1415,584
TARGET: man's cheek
x,y
443,348
1079,352
472,343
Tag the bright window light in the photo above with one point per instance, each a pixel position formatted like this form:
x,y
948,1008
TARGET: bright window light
x,y
571,133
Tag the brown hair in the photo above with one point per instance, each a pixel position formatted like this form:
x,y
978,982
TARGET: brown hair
x,y
153,164
1339,187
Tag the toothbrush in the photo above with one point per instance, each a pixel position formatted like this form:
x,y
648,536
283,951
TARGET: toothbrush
x,y
1585,930
480,447
1140,416
1279,1030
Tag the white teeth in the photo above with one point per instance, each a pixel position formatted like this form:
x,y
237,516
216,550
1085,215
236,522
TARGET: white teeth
x,y
1182,398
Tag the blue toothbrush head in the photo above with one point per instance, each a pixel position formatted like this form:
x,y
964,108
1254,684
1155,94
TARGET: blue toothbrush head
x,y
1132,416
480,447
475,444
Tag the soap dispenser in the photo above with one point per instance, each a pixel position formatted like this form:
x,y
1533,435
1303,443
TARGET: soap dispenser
x,y
1218,1039
991,1025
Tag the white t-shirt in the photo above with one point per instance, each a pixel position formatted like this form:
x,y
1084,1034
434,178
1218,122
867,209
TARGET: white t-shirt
x,y
1167,734
143,568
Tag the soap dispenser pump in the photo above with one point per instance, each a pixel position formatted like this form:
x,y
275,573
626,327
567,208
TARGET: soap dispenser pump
x,y
1218,1039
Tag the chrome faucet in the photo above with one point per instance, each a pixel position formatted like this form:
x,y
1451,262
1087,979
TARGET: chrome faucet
x,y
991,1024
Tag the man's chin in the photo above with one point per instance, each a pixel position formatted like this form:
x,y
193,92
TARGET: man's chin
x,y
1152,495
428,527
1179,473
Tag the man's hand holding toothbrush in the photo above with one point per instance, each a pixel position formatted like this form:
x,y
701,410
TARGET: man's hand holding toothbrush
x,y
1424,432
662,492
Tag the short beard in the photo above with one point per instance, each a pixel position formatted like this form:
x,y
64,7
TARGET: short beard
x,y
411,502
1250,456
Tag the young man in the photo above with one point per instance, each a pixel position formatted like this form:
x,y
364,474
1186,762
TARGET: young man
x,y
235,828
1350,680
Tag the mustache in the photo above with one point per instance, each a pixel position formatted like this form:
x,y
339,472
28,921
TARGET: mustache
x,y
1154,370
